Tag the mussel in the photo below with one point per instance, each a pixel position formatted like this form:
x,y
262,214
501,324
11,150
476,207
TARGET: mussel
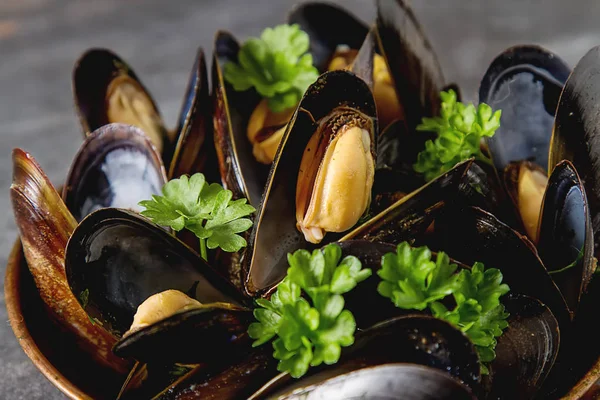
x,y
45,225
107,90
524,82
116,260
117,166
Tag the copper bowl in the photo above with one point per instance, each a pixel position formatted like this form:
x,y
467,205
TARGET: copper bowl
x,y
74,373
53,351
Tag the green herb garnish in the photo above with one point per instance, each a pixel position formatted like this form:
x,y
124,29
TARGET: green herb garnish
x,y
205,209
84,297
460,129
413,281
310,333
276,65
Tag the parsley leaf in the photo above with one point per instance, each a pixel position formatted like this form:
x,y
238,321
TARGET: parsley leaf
x,y
412,281
275,65
460,129
205,209
310,333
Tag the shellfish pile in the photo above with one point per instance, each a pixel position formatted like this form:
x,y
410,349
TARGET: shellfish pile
x,y
148,304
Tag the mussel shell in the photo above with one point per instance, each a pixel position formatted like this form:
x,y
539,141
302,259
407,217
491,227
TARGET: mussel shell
x,y
45,225
470,234
121,259
387,381
315,18
238,381
576,130
565,234
397,152
411,60
240,172
408,217
417,339
202,335
92,75
274,233
117,166
150,381
526,350
524,82
194,150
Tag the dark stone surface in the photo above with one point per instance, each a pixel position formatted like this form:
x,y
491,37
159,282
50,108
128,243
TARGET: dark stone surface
x,y
41,39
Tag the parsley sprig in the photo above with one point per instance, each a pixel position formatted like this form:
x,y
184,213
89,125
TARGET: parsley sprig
x,y
460,129
276,65
413,281
205,209
313,332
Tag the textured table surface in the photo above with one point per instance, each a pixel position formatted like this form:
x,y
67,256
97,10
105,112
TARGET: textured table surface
x,y
41,39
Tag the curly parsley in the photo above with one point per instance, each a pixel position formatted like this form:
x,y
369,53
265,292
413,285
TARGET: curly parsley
x,y
460,129
413,281
205,209
276,65
313,332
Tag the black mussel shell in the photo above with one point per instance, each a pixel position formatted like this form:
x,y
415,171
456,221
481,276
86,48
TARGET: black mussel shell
x,y
524,82
316,18
410,216
116,166
411,60
200,335
480,188
150,381
417,339
93,74
472,235
575,137
565,241
116,259
387,381
397,152
274,233
240,172
526,351
237,381
194,149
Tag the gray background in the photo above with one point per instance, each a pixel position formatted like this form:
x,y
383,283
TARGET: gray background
x,y
41,39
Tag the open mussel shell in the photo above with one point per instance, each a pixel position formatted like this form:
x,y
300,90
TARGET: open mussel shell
x,y
524,82
117,166
106,90
335,97
315,19
472,235
387,381
222,326
566,243
526,351
116,259
414,67
240,172
576,130
45,225
416,339
194,150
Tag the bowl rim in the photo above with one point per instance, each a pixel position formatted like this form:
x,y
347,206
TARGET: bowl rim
x,y
12,296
